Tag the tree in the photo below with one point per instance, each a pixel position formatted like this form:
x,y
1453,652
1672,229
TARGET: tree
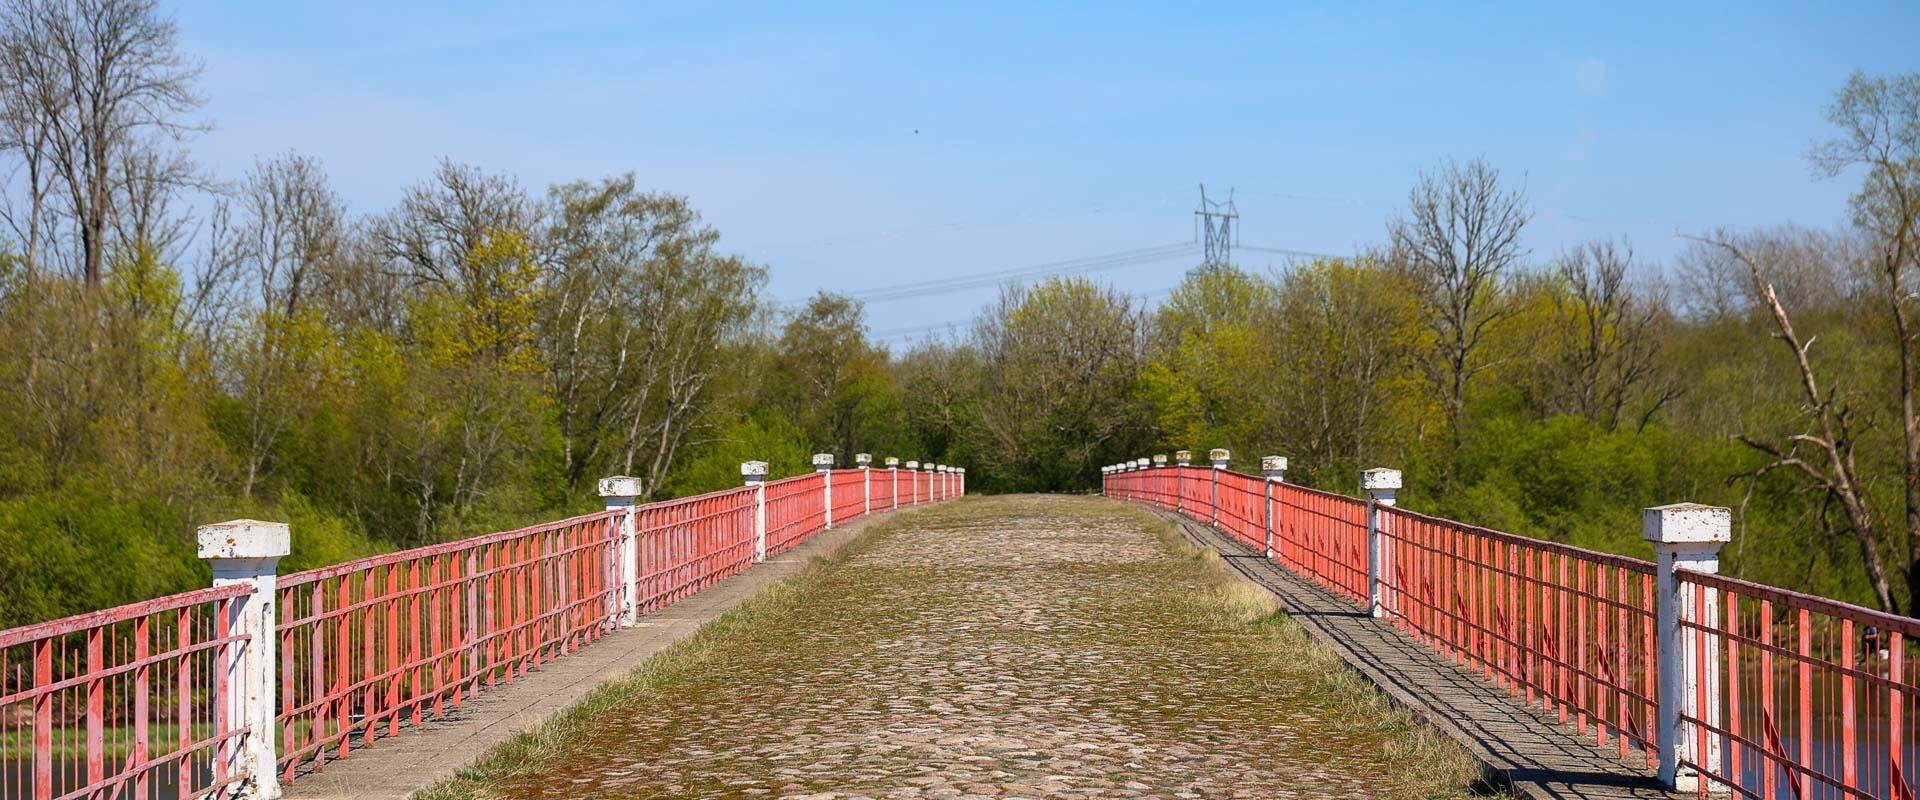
x,y
1879,122
1460,236
642,316
1059,394
93,83
1606,356
1213,370
828,376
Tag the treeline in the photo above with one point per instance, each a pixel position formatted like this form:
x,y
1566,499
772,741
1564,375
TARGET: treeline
x,y
178,347
1551,394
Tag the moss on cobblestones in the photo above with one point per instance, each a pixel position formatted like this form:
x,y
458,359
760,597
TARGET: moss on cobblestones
x,y
995,647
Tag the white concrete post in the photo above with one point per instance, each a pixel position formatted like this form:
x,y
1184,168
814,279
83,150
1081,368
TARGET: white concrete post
x,y
754,473
913,475
893,474
1183,458
1219,456
1686,536
1275,468
1381,486
823,464
620,492
933,482
940,481
961,475
249,551
865,461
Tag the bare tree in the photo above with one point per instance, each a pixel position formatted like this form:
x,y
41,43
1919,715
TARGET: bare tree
x,y
1609,337
1823,453
295,228
95,79
440,221
1879,122
1460,236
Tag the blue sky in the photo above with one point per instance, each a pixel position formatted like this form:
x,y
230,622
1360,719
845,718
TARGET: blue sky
x,y
859,146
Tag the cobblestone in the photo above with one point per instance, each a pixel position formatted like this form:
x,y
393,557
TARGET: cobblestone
x,y
997,648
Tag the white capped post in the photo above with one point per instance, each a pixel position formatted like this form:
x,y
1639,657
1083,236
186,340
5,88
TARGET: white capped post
x,y
1686,536
913,474
823,464
1219,456
1183,457
865,461
1381,486
249,551
620,492
893,474
754,473
1275,468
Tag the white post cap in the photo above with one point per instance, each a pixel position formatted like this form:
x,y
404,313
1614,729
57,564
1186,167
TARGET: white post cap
x,y
862,459
753,469
823,459
929,466
1379,478
1183,456
1160,459
913,465
245,538
1219,454
892,462
1273,463
1687,523
620,486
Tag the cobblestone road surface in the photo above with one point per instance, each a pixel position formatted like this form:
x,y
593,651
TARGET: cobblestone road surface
x,y
1000,647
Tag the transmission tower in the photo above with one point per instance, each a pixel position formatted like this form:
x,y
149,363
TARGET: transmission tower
x,y
1215,222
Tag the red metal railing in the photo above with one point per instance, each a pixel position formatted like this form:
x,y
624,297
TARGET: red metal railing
x,y
794,511
1819,696
1572,629
1794,696
369,645
129,702
1322,536
126,702
849,494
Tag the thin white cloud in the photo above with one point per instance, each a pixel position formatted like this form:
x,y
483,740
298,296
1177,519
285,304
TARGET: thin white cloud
x,y
1591,76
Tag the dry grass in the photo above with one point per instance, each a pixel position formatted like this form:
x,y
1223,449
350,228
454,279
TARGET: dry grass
x,y
1435,765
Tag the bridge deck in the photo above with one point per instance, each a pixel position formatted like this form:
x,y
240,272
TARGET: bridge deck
x,y
1010,647
1540,757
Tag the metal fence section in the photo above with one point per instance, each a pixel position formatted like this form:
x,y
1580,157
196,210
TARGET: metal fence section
x,y
145,700
368,646
1569,628
126,702
1819,696
1736,688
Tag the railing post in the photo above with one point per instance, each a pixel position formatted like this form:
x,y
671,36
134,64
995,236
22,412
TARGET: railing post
x,y
755,475
1381,485
1686,536
1219,456
913,474
1182,458
620,492
823,464
1275,468
864,461
960,478
893,474
249,551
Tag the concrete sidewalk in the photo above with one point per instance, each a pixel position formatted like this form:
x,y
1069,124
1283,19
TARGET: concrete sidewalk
x,y
395,768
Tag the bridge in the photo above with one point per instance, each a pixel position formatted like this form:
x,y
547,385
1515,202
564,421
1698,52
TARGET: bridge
x,y
876,631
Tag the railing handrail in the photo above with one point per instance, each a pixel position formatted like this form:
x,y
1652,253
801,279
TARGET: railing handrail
x,y
13,637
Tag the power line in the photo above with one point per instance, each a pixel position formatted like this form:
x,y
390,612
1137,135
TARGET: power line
x,y
1071,266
